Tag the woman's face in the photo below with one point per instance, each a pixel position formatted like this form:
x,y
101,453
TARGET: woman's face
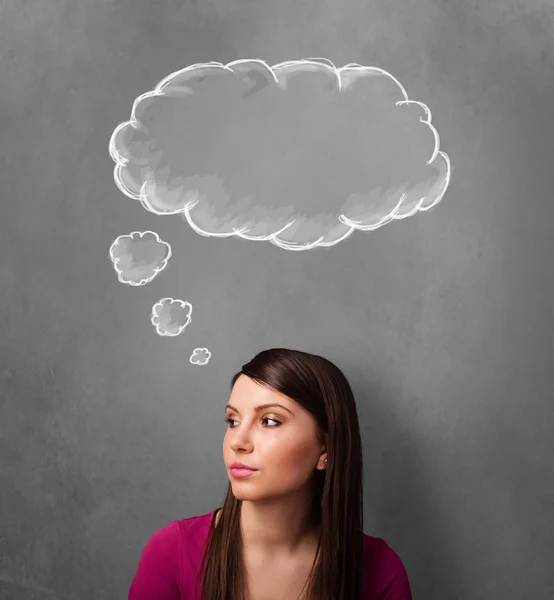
x,y
273,434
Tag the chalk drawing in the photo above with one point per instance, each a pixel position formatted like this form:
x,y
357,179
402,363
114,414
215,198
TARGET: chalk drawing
x,y
170,316
139,256
300,154
200,356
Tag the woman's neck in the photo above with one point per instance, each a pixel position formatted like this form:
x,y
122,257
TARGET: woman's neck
x,y
283,527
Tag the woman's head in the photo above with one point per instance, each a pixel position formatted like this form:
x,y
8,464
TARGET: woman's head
x,y
277,436
288,449
315,428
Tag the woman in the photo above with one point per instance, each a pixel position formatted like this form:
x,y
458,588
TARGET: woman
x,y
291,526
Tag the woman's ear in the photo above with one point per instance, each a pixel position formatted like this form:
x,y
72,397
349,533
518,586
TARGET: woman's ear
x,y
322,462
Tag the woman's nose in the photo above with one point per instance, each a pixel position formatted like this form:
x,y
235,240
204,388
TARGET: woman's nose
x,y
241,439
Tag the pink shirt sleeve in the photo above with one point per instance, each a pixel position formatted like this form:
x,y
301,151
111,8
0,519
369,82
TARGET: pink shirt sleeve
x,y
398,587
390,579
159,572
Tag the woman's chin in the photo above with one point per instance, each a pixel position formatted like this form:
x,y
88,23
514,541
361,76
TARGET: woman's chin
x,y
245,496
241,493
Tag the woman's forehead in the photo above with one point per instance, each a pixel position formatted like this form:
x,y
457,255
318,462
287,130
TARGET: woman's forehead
x,y
247,393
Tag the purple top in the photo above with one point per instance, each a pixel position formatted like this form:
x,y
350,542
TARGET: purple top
x,y
170,558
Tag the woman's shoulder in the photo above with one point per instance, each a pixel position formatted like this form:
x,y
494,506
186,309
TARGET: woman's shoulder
x,y
190,531
183,535
197,520
168,561
377,546
384,573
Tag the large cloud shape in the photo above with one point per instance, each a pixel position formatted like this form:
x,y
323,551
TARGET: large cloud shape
x,y
300,154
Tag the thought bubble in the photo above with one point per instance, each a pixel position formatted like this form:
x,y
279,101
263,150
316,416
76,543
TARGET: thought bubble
x,y
200,356
170,316
139,256
300,154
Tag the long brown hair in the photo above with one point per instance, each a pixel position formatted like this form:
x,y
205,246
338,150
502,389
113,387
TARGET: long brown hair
x,y
321,388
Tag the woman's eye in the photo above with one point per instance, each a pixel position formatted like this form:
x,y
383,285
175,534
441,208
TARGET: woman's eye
x,y
273,422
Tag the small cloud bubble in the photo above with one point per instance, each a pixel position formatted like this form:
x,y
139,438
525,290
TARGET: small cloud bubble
x,y
170,316
139,256
200,356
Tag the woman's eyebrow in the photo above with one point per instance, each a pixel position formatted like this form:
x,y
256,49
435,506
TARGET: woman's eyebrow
x,y
261,407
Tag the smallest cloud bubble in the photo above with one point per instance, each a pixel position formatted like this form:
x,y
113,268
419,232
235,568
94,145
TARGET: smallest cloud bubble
x,y
139,256
170,316
200,356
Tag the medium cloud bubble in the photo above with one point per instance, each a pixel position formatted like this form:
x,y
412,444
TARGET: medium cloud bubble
x,y
139,256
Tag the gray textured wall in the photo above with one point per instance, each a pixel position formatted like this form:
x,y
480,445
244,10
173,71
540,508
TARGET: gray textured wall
x,y
443,322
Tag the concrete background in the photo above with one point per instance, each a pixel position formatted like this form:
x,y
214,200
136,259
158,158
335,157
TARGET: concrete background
x,y
443,322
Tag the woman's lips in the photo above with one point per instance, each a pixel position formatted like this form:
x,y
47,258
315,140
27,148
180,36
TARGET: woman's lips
x,y
240,473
